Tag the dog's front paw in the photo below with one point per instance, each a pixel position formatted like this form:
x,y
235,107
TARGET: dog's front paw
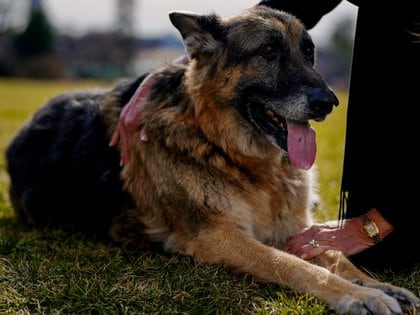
x,y
408,301
368,301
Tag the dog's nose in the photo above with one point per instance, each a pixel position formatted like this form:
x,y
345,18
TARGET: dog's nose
x,y
322,100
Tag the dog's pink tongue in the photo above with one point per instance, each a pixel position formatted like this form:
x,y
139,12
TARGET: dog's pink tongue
x,y
301,144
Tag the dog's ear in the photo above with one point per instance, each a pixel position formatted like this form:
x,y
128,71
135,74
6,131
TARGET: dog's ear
x,y
201,33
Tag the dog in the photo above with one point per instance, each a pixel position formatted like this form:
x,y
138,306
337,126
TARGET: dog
x,y
227,174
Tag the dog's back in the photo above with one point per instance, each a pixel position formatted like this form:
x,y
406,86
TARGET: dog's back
x,y
62,171
61,168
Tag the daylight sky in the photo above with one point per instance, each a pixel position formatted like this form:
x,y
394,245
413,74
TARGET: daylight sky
x,y
78,16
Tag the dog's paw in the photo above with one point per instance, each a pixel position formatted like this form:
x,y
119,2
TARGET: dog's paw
x,y
408,301
368,301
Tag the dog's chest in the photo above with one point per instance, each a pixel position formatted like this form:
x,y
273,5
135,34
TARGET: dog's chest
x,y
274,211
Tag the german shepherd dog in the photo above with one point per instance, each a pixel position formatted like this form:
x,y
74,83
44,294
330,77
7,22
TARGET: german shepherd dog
x,y
226,176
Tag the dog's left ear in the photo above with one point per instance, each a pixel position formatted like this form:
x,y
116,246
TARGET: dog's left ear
x,y
201,33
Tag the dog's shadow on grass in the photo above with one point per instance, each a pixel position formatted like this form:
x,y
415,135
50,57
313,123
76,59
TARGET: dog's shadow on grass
x,y
10,233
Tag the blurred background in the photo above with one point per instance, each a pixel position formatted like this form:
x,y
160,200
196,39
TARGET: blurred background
x,y
111,39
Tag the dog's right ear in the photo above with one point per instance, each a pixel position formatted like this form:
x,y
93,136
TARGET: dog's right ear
x,y
201,33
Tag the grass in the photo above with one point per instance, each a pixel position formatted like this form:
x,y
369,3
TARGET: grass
x,y
52,272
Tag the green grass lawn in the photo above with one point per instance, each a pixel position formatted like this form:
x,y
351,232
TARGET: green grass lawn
x,y
52,272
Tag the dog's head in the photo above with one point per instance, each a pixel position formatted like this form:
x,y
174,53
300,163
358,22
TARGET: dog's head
x,y
260,63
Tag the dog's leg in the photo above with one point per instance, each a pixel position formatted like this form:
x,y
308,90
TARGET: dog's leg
x,y
229,245
337,263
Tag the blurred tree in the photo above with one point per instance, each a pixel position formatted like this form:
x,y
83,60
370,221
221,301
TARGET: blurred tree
x,y
342,42
35,48
334,60
38,37
125,17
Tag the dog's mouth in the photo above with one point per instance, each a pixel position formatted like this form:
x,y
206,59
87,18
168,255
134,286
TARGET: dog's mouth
x,y
295,137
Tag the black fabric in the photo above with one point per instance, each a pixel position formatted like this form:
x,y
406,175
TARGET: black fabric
x,y
309,12
381,167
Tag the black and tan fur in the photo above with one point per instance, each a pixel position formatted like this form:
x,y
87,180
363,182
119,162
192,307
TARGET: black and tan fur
x,y
214,181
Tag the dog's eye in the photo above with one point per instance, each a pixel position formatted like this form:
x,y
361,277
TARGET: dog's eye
x,y
308,51
310,54
267,51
